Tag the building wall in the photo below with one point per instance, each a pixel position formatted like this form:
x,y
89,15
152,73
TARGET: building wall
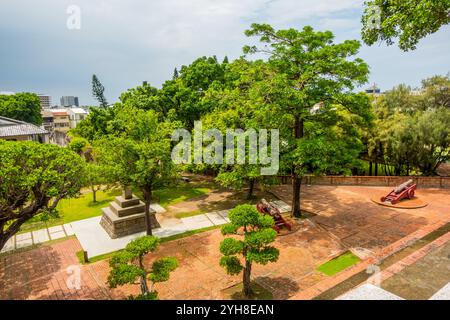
x,y
46,101
61,123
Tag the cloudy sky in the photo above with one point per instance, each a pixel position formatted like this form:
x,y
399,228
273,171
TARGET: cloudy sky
x,y
127,42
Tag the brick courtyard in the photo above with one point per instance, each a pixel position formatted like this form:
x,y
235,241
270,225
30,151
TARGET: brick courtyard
x,y
345,218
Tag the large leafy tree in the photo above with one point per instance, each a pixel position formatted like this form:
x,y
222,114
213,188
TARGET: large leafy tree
x,y
407,20
138,153
128,266
184,93
310,94
237,108
21,106
252,238
98,92
34,177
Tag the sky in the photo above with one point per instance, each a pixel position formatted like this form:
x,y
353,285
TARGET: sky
x,y
127,42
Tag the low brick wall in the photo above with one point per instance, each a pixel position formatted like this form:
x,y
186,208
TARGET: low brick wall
x,y
382,181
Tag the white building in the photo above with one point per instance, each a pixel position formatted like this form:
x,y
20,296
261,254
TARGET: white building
x,y
76,115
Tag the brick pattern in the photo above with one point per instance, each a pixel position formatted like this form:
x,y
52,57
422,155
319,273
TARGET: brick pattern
x,y
43,274
379,256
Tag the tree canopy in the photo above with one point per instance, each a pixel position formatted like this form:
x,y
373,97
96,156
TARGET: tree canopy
x,y
21,106
34,177
128,266
407,20
310,93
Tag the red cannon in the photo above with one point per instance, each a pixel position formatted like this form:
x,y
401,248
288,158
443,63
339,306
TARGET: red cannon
x,y
403,191
265,207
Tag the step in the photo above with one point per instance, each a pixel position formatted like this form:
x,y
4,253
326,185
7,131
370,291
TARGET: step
x,y
125,203
123,212
116,219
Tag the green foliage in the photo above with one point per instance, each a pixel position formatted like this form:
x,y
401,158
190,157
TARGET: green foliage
x,y
95,125
98,92
79,145
412,130
256,235
338,264
34,177
309,96
21,106
162,268
408,20
138,151
127,267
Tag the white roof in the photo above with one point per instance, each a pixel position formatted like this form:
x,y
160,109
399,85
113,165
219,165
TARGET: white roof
x,y
77,110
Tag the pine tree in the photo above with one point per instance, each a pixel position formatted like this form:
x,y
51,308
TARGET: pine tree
x,y
175,74
98,91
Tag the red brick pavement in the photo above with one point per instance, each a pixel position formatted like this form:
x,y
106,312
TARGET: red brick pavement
x,y
345,218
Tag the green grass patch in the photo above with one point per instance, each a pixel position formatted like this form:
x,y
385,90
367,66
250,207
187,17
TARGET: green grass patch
x,y
83,207
338,264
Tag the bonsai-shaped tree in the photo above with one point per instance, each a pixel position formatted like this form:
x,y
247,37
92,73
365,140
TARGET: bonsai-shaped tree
x,y
256,230
128,266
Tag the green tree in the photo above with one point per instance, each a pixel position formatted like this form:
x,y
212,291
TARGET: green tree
x,y
237,109
21,106
310,94
138,153
254,245
34,177
95,125
98,92
128,266
183,95
408,20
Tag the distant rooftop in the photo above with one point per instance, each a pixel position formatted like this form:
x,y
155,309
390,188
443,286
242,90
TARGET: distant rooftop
x,y
10,127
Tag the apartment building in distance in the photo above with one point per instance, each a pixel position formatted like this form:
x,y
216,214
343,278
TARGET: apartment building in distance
x,y
46,101
69,101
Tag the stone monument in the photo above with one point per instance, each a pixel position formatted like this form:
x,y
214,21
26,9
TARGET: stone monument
x,y
125,216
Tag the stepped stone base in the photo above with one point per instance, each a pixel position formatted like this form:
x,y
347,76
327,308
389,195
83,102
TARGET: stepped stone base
x,y
126,216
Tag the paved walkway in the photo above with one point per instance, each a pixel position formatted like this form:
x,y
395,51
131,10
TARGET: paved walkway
x,y
95,241
28,239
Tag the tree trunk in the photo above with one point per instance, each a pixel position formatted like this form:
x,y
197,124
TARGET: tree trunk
x,y
251,187
296,188
247,290
296,180
147,200
370,168
94,195
143,279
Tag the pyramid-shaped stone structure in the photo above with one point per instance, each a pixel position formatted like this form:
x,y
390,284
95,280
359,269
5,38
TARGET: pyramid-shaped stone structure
x,y
125,216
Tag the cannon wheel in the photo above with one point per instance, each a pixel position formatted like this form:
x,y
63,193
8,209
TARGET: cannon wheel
x,y
411,194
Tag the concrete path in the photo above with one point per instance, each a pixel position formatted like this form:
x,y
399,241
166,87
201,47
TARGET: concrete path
x,y
369,292
28,239
96,241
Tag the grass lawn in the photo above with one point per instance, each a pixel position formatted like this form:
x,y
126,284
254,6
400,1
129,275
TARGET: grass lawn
x,y
82,208
338,264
